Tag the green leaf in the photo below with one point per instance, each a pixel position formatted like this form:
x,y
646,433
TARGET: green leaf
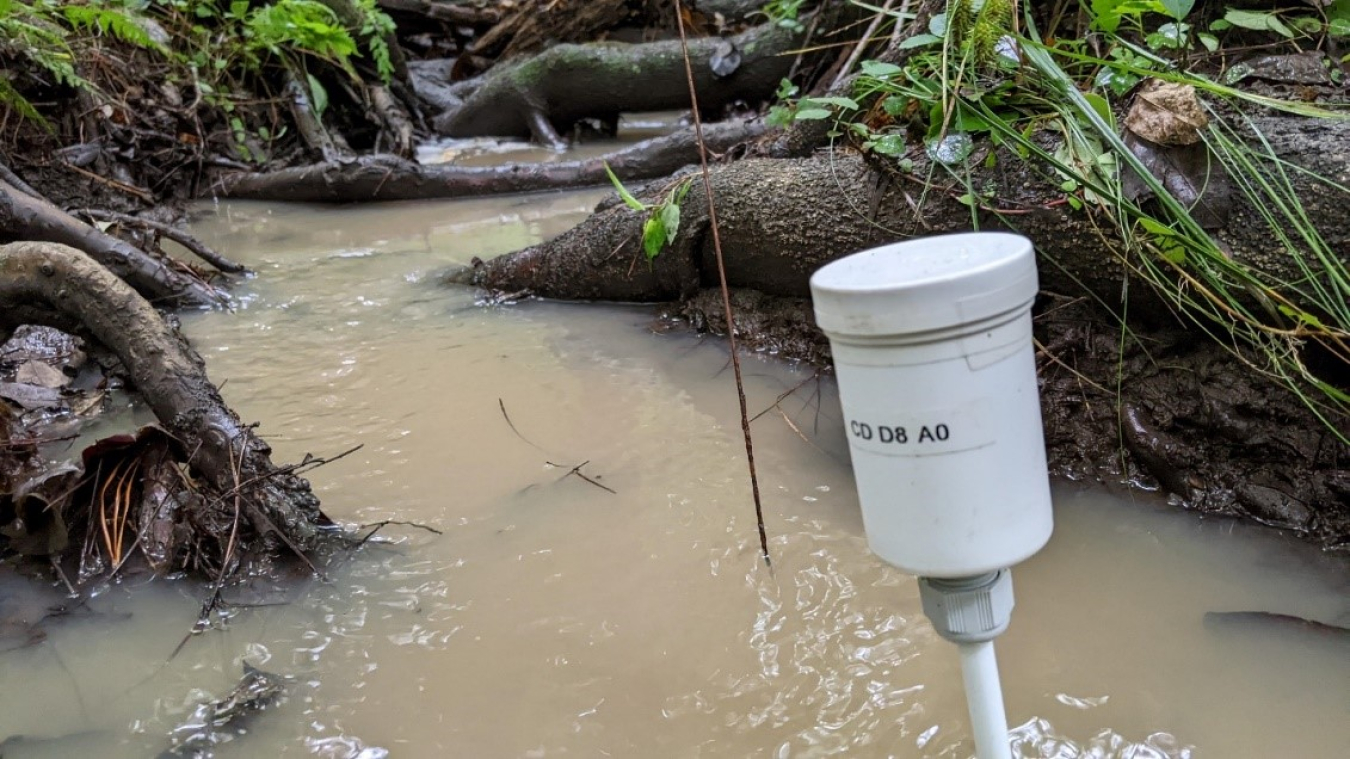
x,y
880,70
837,102
1339,27
653,236
937,25
1106,15
779,116
812,114
1178,9
919,40
1277,26
1258,21
891,144
1156,227
627,196
318,96
1169,37
670,219
1102,107
1210,42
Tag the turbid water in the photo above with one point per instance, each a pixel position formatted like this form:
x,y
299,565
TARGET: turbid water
x,y
552,617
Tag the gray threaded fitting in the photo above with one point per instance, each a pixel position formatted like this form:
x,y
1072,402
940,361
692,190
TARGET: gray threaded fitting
x,y
968,609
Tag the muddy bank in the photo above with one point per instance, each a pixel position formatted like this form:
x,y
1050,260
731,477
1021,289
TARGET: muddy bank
x,y
1168,410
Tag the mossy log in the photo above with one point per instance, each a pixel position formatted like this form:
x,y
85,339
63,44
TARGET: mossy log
x,y
62,287
548,93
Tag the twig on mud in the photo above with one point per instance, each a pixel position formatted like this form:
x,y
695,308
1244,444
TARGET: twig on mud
x,y
502,405
192,244
577,471
722,278
123,186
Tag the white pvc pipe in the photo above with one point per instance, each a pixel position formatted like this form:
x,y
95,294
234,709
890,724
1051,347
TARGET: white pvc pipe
x,y
984,696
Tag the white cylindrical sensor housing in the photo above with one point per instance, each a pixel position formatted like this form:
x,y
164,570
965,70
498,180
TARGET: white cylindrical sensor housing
x,y
932,346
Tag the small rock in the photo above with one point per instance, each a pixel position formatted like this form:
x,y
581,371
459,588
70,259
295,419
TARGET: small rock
x,y
1273,507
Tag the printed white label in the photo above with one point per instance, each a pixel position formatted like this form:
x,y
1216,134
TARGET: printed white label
x,y
919,433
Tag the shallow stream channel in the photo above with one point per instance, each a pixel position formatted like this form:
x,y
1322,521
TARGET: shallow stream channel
x,y
626,612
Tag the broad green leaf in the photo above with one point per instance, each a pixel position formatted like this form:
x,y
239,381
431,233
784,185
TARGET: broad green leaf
x,y
624,194
653,236
1339,27
1210,42
812,114
1156,227
937,25
877,69
1258,21
1178,9
891,144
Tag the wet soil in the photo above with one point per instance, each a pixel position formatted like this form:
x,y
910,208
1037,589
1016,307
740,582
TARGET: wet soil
x,y
1167,410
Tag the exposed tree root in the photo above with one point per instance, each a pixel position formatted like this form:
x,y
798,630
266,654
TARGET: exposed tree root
x,y
66,287
388,178
550,92
29,217
190,243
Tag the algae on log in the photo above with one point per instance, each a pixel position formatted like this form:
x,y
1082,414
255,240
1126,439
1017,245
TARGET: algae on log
x,y
557,88
56,285
780,220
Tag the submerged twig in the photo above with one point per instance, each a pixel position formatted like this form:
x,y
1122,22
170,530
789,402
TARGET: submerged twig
x,y
502,405
577,471
722,279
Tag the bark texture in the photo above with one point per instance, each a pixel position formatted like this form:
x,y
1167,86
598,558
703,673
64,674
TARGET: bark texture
x,y
65,286
389,178
780,220
567,83
30,217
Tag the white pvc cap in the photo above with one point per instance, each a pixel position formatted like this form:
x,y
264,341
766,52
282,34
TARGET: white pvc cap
x,y
925,284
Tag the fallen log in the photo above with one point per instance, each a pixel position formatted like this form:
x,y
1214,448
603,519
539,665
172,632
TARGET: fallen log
x,y
60,286
548,93
31,217
780,220
391,178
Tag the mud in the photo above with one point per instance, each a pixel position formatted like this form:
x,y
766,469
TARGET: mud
x,y
1168,410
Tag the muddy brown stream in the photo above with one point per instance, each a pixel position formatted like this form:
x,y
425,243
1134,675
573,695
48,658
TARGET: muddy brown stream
x,y
555,618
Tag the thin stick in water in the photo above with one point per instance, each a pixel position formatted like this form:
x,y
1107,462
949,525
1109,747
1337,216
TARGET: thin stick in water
x,y
722,278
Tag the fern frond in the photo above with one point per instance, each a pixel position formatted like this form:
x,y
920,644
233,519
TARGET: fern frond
x,y
12,99
108,21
